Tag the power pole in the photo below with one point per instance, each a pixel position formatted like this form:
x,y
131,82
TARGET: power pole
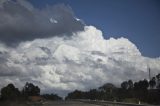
x,y
149,71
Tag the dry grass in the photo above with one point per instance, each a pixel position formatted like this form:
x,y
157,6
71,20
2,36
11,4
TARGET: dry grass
x,y
13,103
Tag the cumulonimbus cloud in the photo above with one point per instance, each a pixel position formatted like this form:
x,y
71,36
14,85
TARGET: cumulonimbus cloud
x,y
20,21
84,61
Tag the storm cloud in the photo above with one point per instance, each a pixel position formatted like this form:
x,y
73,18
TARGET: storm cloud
x,y
21,21
59,53
84,61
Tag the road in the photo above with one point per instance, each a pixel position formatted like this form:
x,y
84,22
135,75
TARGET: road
x,y
63,103
83,103
69,103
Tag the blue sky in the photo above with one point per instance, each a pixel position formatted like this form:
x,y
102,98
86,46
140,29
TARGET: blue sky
x,y
137,20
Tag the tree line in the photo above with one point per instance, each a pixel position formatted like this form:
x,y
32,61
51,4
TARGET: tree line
x,y
129,91
143,90
10,92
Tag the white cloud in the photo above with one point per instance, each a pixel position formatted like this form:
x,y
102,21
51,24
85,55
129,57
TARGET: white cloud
x,y
84,61
52,20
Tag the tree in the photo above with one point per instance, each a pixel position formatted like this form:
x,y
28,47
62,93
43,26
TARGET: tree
x,y
93,94
158,80
158,77
51,97
76,95
124,85
30,90
108,87
10,92
152,83
107,91
143,84
130,84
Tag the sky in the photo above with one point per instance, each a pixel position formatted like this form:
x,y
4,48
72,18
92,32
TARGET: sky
x,y
137,20
66,45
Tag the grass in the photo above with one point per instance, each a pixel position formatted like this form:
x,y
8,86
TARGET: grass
x,y
133,100
13,103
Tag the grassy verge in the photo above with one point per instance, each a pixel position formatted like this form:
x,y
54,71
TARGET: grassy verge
x,y
13,103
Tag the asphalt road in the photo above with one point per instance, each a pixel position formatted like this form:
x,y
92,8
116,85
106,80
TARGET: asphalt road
x,y
65,103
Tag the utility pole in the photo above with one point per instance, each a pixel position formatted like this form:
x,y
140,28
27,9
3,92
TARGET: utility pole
x,y
149,71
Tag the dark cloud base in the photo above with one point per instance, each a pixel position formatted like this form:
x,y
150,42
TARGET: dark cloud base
x,y
20,21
